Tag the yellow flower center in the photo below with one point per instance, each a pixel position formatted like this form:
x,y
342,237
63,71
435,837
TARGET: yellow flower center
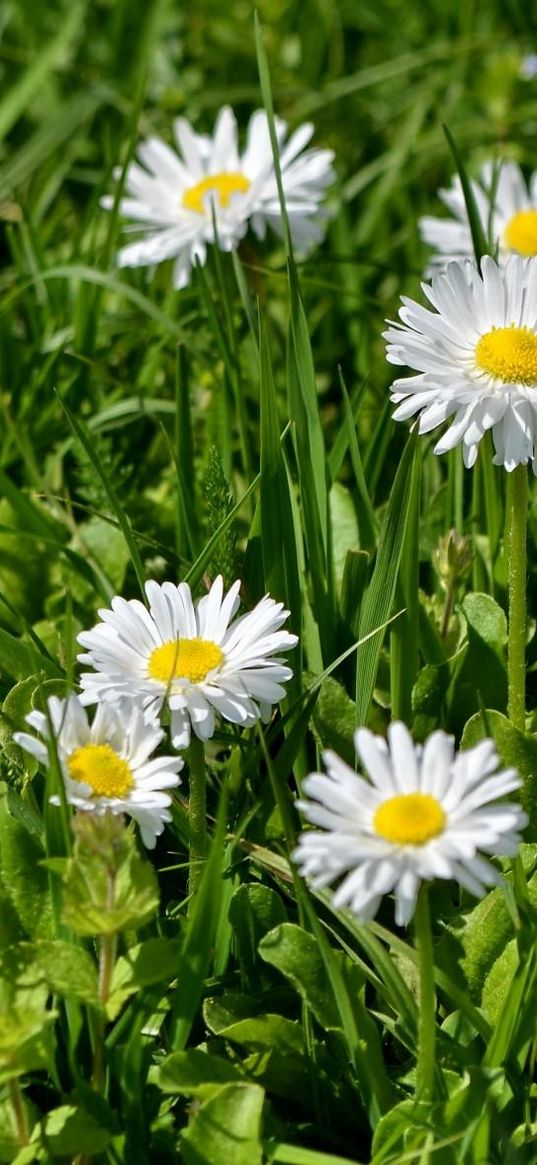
x,y
410,819
520,233
224,185
189,659
98,766
510,354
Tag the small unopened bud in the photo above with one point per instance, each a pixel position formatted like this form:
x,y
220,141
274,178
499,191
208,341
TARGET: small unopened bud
x,y
452,559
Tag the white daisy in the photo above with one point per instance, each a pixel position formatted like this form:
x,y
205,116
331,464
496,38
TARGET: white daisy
x,y
173,197
507,209
198,658
107,766
424,813
476,354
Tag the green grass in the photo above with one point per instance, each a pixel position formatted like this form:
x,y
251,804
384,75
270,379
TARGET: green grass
x,y
242,426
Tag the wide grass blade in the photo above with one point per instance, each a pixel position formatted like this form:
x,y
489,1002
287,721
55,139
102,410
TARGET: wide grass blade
x,y
122,518
197,949
381,591
280,557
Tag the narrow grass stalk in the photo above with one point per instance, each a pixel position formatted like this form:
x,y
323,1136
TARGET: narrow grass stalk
x,y
19,1116
197,817
427,1029
107,958
515,544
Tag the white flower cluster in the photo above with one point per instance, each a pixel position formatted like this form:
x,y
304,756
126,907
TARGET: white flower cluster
x,y
475,352
198,659
209,192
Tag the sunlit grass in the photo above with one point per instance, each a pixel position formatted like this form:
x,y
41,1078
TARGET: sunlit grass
x,y
242,426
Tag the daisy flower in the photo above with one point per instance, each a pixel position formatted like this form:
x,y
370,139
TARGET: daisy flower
x,y
424,813
107,766
507,208
174,196
476,355
197,658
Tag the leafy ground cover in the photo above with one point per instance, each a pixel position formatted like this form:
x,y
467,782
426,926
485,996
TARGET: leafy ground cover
x,y
242,427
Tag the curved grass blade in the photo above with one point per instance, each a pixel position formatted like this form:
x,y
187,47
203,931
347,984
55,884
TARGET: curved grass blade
x,y
479,240
122,519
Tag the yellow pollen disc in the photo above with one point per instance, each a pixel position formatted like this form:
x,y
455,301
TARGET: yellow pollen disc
x,y
224,185
98,766
410,819
190,659
520,234
510,354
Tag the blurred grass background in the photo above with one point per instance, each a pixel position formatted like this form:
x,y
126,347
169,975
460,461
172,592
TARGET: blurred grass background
x,y
81,83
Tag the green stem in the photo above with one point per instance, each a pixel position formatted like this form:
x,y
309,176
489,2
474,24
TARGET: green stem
x,y
197,816
19,1115
515,545
448,611
427,1027
107,959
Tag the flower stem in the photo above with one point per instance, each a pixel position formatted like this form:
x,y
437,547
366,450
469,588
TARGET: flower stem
x,y
427,1028
515,544
107,958
448,611
19,1115
197,816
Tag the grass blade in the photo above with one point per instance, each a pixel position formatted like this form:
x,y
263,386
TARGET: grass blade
x,y
381,591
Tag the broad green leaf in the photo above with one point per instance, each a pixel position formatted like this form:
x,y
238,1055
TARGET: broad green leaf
x,y
222,1011
154,961
334,718
497,984
516,750
404,1129
428,699
194,1073
25,1045
23,877
486,621
70,1130
344,524
11,929
481,677
107,545
296,954
253,910
296,1155
277,1054
227,1128
473,947
69,970
19,659
438,1129
17,704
